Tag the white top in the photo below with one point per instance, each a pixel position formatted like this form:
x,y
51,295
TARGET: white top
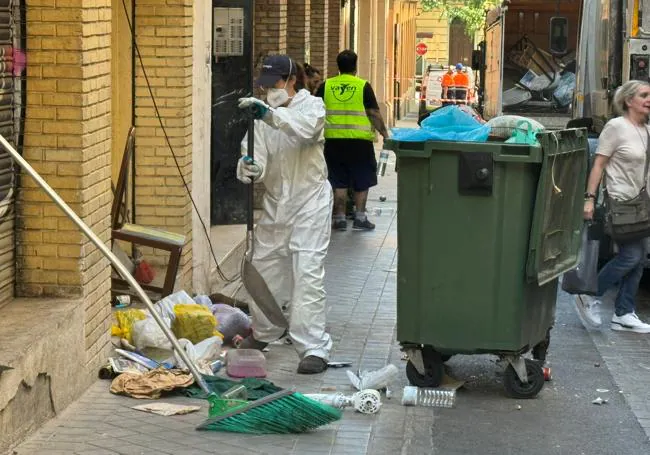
x,y
625,144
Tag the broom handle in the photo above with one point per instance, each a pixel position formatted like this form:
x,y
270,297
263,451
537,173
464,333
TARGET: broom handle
x,y
111,257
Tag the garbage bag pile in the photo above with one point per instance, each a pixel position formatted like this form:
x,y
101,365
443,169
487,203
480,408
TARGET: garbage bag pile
x,y
201,326
463,124
449,123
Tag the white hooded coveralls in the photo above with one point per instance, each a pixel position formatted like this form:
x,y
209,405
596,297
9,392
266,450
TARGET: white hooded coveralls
x,y
293,233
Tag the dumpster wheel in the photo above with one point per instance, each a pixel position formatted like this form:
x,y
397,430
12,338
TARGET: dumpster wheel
x,y
515,388
433,369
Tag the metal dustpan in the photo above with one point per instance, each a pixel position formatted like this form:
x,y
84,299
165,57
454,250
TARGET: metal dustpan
x,y
251,277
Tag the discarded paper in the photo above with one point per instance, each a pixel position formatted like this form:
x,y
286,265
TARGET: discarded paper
x,y
599,401
167,409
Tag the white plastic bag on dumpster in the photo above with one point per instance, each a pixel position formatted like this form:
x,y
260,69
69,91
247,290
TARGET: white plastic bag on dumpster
x,y
504,125
584,278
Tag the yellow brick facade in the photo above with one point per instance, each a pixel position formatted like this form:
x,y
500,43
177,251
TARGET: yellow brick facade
x,y
67,140
438,46
164,37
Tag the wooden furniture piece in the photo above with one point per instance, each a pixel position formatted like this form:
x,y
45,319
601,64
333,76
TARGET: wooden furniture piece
x,y
140,235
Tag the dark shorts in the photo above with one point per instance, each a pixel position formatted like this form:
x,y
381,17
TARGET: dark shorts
x,y
351,163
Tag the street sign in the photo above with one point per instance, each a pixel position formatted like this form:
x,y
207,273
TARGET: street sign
x,y
421,49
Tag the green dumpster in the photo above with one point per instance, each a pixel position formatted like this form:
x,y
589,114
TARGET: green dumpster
x,y
484,232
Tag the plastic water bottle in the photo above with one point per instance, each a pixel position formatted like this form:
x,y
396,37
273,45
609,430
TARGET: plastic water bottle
x,y
336,400
415,396
383,161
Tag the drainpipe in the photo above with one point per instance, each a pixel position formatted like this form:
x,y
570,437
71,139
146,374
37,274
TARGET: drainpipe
x,y
133,72
353,23
373,42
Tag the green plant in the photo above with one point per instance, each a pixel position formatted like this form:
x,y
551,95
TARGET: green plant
x,y
471,12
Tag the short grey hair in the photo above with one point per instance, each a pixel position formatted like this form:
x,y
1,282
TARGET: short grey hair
x,y
626,92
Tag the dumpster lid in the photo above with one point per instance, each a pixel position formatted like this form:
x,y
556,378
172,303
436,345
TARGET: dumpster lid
x,y
557,219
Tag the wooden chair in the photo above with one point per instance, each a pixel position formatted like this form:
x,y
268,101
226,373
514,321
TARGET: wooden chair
x,y
140,235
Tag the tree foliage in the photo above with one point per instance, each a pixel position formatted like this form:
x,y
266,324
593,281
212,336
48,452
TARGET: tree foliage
x,y
471,12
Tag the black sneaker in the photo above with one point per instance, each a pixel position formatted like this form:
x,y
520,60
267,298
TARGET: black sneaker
x,y
251,343
312,365
364,225
340,225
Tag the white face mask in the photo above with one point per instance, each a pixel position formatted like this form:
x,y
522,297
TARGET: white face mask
x,y
277,97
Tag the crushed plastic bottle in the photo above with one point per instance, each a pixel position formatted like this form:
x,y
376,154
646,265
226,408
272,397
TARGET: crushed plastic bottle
x,y
438,398
365,401
378,379
383,161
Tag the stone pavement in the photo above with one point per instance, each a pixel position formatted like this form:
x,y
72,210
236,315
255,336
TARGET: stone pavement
x,y
627,356
361,286
361,282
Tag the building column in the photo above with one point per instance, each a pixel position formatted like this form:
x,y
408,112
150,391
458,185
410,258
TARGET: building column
x,y
319,35
334,36
270,28
298,30
68,141
164,36
364,45
384,78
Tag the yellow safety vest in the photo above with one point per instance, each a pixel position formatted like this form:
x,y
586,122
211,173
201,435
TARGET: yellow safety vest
x,y
346,116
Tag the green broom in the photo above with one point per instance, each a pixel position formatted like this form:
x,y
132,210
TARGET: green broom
x,y
279,413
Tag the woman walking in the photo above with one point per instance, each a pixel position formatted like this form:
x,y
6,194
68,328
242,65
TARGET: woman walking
x,y
621,155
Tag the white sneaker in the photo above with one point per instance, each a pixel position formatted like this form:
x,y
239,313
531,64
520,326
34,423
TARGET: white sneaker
x,y
629,322
588,310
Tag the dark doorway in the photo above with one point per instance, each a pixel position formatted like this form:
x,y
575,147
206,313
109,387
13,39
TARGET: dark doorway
x,y
460,43
232,70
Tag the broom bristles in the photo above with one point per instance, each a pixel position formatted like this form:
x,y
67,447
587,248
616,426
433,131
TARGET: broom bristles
x,y
280,413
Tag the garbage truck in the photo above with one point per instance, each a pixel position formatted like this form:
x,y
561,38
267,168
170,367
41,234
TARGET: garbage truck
x,y
527,61
614,47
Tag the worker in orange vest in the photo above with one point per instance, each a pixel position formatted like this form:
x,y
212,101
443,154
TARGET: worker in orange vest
x,y
461,82
447,84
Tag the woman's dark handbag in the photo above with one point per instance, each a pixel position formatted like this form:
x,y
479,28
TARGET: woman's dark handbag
x,y
627,221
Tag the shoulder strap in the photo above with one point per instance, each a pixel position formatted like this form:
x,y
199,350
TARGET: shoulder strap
x,y
647,160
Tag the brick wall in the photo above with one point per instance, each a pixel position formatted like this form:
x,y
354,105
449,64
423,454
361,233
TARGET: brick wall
x,y
298,30
270,28
319,33
164,36
334,36
67,140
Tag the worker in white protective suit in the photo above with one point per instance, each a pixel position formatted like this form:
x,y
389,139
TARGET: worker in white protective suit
x,y
293,233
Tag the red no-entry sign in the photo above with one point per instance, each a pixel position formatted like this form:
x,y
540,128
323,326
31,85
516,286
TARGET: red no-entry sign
x,y
421,49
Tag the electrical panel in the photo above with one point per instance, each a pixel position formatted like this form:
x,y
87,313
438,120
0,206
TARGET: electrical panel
x,y
639,60
228,32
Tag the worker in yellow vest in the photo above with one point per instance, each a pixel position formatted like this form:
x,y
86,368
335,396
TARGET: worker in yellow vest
x,y
352,117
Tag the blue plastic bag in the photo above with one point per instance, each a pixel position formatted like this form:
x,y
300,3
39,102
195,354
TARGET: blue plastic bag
x,y
448,123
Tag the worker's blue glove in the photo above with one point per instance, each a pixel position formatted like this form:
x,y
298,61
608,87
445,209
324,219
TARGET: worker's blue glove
x,y
259,107
248,170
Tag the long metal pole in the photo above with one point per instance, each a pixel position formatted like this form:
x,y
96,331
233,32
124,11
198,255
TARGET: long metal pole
x,y
111,257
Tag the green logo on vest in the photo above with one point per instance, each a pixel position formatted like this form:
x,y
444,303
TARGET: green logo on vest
x,y
343,91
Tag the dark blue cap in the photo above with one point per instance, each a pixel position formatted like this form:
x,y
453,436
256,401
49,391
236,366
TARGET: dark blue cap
x,y
274,68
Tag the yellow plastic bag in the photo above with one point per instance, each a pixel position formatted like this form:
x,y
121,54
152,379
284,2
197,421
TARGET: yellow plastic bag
x,y
194,323
125,320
